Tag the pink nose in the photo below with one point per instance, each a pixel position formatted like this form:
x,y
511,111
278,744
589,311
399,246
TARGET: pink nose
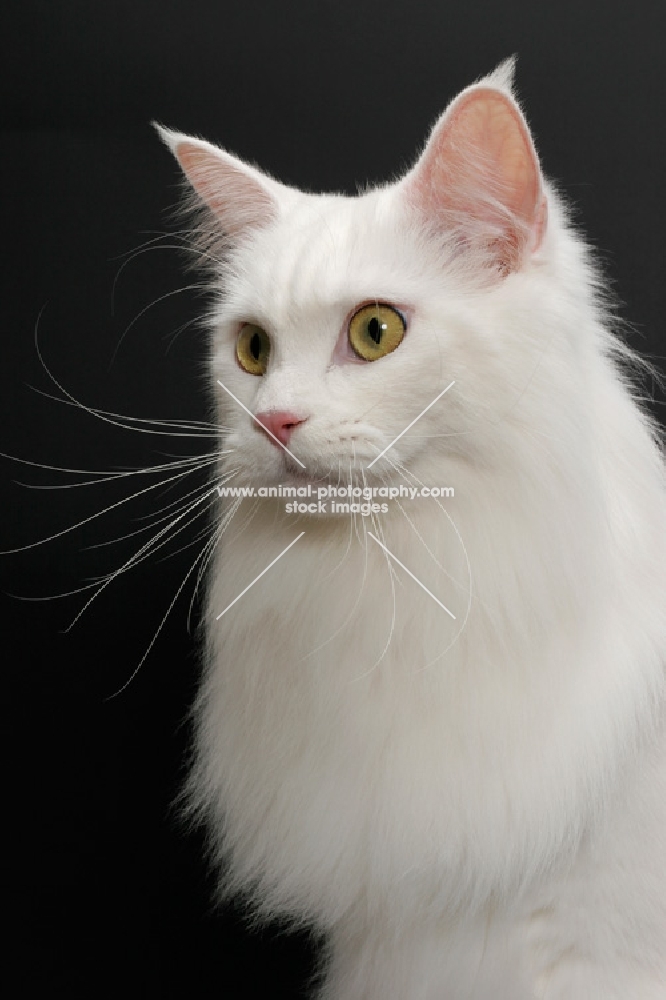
x,y
279,423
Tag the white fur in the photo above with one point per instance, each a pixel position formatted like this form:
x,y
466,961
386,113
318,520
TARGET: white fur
x,y
470,809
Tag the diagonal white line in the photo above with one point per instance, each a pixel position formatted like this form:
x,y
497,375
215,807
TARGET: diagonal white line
x,y
408,426
258,577
416,579
263,427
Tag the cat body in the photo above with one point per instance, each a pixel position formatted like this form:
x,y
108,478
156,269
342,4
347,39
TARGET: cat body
x,y
466,794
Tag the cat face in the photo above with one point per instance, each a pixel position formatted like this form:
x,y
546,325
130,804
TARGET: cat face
x,y
342,319
319,282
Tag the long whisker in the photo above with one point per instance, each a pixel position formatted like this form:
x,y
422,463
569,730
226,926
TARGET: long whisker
x,y
196,286
392,579
106,477
152,545
211,545
87,409
156,244
470,587
199,428
158,630
339,563
153,519
182,502
99,513
207,554
177,332
223,521
131,255
350,614
360,540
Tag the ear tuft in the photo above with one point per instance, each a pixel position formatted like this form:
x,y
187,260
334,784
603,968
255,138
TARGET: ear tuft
x,y
503,76
240,197
167,136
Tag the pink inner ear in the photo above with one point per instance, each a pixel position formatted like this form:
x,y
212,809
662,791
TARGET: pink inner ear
x,y
238,199
480,165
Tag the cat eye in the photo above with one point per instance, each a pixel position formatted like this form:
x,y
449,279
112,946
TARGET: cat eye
x,y
376,330
252,349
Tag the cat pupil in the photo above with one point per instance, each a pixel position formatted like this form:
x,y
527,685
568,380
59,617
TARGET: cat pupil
x,y
375,329
255,346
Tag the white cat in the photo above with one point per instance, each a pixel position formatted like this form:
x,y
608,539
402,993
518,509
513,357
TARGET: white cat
x,y
471,805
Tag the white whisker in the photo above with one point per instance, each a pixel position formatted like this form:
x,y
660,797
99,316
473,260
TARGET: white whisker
x,y
198,428
68,396
92,517
154,519
196,286
468,589
157,632
392,579
350,614
149,548
199,461
156,244
218,530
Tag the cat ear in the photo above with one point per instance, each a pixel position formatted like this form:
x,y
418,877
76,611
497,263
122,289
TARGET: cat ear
x,y
240,197
479,173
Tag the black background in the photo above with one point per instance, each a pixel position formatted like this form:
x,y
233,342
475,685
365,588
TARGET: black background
x,y
325,95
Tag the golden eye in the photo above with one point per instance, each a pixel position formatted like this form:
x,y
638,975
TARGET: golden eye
x,y
376,330
253,348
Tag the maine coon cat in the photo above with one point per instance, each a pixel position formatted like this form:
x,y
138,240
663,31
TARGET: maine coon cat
x,y
468,800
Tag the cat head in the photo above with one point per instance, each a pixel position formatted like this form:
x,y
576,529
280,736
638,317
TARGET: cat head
x,y
341,318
